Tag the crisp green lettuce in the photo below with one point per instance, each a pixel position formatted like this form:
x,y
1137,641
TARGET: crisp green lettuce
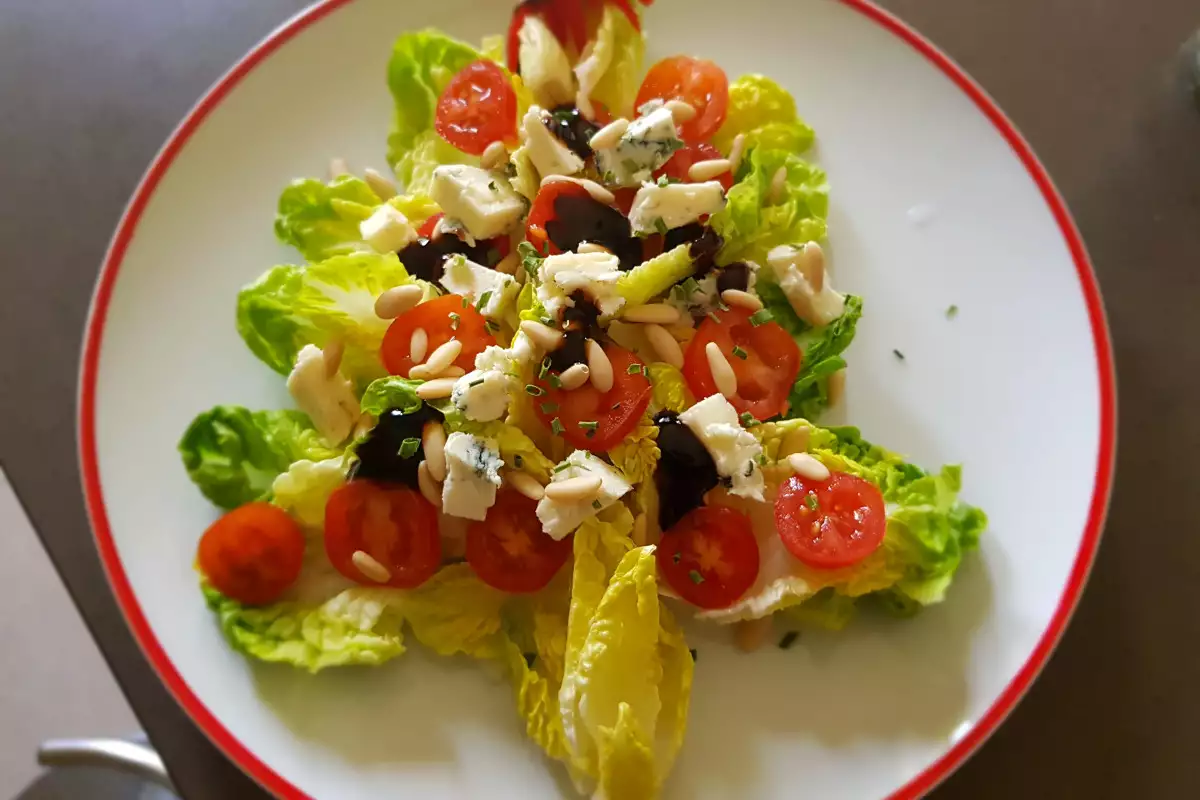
x,y
455,612
637,455
651,278
291,306
765,114
304,489
414,166
610,68
233,454
826,609
391,392
669,390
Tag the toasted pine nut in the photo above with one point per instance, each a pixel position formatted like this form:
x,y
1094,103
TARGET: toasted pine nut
x,y
806,466
433,442
371,569
664,345
338,167
574,377
591,247
736,297
735,152
428,486
722,373
435,389
707,170
543,336
837,386
396,300
380,184
814,262
525,483
451,372
681,111
778,185
639,530
598,192
441,358
332,354
585,487
493,155
508,265
609,135
749,634
657,313
418,345
599,367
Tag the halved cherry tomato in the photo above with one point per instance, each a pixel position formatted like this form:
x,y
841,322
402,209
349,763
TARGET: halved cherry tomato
x,y
448,317
426,229
701,84
832,523
593,420
710,557
543,211
252,554
681,161
477,107
765,360
509,550
392,524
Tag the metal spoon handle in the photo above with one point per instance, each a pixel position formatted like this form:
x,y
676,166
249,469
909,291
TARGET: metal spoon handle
x,y
136,759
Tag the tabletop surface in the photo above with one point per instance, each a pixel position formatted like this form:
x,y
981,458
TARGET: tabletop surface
x,y
90,91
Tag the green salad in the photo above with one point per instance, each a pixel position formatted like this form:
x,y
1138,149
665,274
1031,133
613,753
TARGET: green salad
x,y
557,385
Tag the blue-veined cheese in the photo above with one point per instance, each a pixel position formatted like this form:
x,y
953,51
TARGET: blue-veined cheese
x,y
659,208
559,518
644,147
472,475
596,274
484,202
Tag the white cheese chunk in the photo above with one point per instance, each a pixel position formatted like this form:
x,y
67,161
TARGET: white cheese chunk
x,y
483,201
476,282
548,154
596,274
482,394
645,146
560,518
387,230
472,475
792,270
735,451
545,67
328,400
674,205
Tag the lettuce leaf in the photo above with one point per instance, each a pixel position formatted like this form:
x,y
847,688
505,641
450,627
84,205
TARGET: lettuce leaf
x,y
610,69
455,612
291,306
233,454
638,454
669,388
428,151
304,489
765,114
651,278
516,448
822,348
391,392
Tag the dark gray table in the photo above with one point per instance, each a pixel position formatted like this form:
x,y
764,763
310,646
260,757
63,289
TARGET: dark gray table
x,y
90,90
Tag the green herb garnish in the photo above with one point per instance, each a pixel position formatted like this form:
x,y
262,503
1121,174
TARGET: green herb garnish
x,y
661,226
696,577
747,419
596,504
810,500
556,427
898,355
534,391
483,300
760,317
739,352
788,640
951,312
545,368
562,466
409,447
549,408
454,320
475,383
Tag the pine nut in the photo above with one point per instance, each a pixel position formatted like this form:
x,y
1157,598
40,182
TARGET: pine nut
x,y
430,489
591,247
609,135
657,313
806,466
435,389
396,300
837,386
707,170
778,185
441,358
508,265
574,377
543,336
722,373
749,634
332,354
681,111
433,442
451,372
525,483
585,487
338,167
639,530
371,569
418,345
600,369
598,192
735,152
380,184
736,297
493,155
664,345
814,262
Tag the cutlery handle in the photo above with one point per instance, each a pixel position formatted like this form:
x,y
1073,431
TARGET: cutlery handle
x,y
130,757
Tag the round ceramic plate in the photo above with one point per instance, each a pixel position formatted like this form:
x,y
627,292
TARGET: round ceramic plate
x,y
936,202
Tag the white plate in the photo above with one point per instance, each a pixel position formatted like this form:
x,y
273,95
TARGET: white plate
x,y
936,201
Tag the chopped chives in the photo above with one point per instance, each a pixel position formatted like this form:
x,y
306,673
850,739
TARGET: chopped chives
x,y
596,504
690,286
788,640
696,577
555,381
466,303
475,383
409,447
634,369
545,367
898,355
534,391
483,300
760,317
747,419
556,427
810,500
492,325
739,352
549,408
951,312
562,466
454,320
713,316
661,226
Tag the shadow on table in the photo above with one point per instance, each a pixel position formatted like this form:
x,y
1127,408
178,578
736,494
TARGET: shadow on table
x,y
92,784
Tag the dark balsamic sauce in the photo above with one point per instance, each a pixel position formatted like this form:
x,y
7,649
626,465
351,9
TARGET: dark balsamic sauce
x,y
580,218
734,276
684,234
426,258
685,471
703,251
572,129
379,456
580,323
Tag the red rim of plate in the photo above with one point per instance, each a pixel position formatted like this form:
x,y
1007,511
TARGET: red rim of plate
x,y
933,773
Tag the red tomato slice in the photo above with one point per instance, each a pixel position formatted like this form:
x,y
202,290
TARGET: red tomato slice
x,y
443,318
542,212
252,554
509,550
710,557
681,161
764,375
393,524
701,84
426,229
832,523
477,107
614,412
